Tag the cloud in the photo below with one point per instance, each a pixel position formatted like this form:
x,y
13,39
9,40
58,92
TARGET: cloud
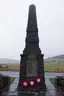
x,y
13,23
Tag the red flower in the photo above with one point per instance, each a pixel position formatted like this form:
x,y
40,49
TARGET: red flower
x,y
39,79
24,83
32,82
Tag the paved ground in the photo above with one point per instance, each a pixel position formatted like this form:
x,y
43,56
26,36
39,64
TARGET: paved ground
x,y
51,90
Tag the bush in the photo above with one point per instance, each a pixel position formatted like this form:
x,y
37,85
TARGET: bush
x,y
59,78
4,81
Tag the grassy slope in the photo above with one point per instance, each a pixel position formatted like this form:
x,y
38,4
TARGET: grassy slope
x,y
14,67
52,80
47,67
55,64
11,79
54,67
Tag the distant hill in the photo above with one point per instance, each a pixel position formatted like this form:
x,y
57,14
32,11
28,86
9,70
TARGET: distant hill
x,y
59,58
8,61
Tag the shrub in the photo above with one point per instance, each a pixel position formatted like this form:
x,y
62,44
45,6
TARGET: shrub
x,y
4,81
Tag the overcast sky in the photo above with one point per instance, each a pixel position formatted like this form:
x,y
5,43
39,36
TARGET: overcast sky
x,y
13,23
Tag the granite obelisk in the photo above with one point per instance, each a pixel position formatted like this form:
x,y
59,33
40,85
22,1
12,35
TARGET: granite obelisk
x,y
32,77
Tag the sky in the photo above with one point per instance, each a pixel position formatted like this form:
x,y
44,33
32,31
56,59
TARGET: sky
x,y
13,24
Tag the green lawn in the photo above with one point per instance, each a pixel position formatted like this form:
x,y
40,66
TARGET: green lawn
x,y
11,79
54,67
52,80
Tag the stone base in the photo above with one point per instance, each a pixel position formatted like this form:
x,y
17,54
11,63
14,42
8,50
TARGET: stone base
x,y
29,93
33,93
42,87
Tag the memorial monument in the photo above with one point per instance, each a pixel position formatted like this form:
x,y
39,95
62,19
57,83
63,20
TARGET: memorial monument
x,y
32,77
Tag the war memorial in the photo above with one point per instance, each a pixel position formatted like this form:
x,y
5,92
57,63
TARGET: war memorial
x,y
32,64
31,81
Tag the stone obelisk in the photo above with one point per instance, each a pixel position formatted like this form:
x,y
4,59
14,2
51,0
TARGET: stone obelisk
x,y
32,77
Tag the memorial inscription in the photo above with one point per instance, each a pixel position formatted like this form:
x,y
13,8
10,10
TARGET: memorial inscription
x,y
32,65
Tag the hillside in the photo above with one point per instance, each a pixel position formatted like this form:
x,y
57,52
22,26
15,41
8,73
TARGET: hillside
x,y
8,61
51,64
59,58
54,64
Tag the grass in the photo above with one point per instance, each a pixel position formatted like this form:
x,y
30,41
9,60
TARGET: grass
x,y
11,79
47,67
10,67
52,80
14,67
54,67
51,67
